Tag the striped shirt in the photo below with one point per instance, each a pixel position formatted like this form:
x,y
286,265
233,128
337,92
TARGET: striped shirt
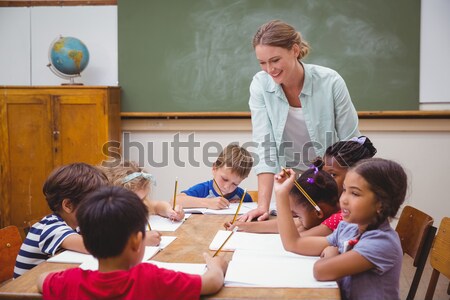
x,y
42,241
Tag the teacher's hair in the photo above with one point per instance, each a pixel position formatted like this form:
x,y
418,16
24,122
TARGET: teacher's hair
x,y
277,33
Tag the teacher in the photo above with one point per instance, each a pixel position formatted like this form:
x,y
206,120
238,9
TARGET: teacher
x,y
297,109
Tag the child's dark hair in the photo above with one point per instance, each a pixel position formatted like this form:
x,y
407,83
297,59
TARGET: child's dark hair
x,y
319,185
108,217
237,158
73,182
347,153
388,181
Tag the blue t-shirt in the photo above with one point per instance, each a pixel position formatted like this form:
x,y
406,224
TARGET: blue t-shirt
x,y
42,241
206,190
383,249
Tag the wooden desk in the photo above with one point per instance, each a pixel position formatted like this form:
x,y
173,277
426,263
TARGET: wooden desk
x,y
193,238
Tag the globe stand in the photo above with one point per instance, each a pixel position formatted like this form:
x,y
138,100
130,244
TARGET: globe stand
x,y
71,78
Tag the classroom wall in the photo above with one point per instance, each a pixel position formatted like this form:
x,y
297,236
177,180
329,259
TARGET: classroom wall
x,y
421,146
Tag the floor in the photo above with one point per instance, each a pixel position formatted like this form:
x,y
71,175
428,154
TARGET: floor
x,y
407,275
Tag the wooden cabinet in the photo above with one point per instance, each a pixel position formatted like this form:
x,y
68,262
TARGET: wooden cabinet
x,y
46,127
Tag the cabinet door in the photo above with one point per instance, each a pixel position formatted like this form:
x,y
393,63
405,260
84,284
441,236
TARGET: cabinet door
x,y
81,125
26,157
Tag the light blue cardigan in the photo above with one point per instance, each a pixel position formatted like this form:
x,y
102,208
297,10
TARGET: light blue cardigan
x,y
329,114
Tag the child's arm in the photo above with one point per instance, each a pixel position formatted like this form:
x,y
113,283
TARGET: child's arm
x,y
269,226
41,279
288,231
164,208
74,242
212,279
333,266
211,203
319,230
152,238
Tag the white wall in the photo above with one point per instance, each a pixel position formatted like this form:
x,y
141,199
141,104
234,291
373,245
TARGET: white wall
x,y
422,147
434,53
26,34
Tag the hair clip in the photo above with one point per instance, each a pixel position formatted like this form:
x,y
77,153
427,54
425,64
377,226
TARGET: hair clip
x,y
360,140
316,169
134,175
310,180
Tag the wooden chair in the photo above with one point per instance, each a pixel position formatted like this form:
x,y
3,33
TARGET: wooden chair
x,y
416,236
440,257
10,242
254,195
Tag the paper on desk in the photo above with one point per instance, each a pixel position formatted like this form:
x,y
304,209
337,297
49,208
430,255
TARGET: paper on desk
x,y
69,257
231,210
73,257
165,224
190,268
273,271
92,263
246,240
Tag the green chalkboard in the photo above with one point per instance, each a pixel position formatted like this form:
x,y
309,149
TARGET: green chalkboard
x,y
196,55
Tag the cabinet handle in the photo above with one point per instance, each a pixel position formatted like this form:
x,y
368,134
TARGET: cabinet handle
x,y
55,134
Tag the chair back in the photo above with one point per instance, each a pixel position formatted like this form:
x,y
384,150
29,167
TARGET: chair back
x,y
10,242
416,236
440,257
254,195
412,228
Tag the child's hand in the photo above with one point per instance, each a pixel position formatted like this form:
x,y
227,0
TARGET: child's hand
x,y
215,262
329,251
229,226
284,181
177,214
152,238
217,203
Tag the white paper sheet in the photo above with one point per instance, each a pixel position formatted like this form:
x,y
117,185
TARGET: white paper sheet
x,y
196,269
246,240
73,257
273,270
159,223
69,257
231,210
92,263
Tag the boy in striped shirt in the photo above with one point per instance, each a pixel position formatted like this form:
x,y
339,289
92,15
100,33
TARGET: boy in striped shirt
x,y
64,189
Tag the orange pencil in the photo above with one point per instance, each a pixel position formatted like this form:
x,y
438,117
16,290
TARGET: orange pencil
x,y
226,240
175,193
220,191
299,187
239,207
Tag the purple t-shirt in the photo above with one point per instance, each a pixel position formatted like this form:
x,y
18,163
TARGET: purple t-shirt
x,y
383,249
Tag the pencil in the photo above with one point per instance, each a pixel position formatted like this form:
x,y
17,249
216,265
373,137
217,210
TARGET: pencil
x,y
220,191
299,187
226,240
239,207
149,227
175,193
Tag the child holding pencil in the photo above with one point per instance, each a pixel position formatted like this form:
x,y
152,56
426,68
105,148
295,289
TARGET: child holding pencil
x,y
64,189
119,248
364,253
337,160
231,167
132,177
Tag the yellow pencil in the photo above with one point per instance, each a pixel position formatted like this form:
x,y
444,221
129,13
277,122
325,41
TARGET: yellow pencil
x,y
175,193
149,227
220,191
299,187
226,240
239,207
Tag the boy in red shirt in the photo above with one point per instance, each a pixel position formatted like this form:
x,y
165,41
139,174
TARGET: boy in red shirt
x,y
112,221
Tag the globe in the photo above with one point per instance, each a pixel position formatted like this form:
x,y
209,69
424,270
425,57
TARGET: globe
x,y
68,57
